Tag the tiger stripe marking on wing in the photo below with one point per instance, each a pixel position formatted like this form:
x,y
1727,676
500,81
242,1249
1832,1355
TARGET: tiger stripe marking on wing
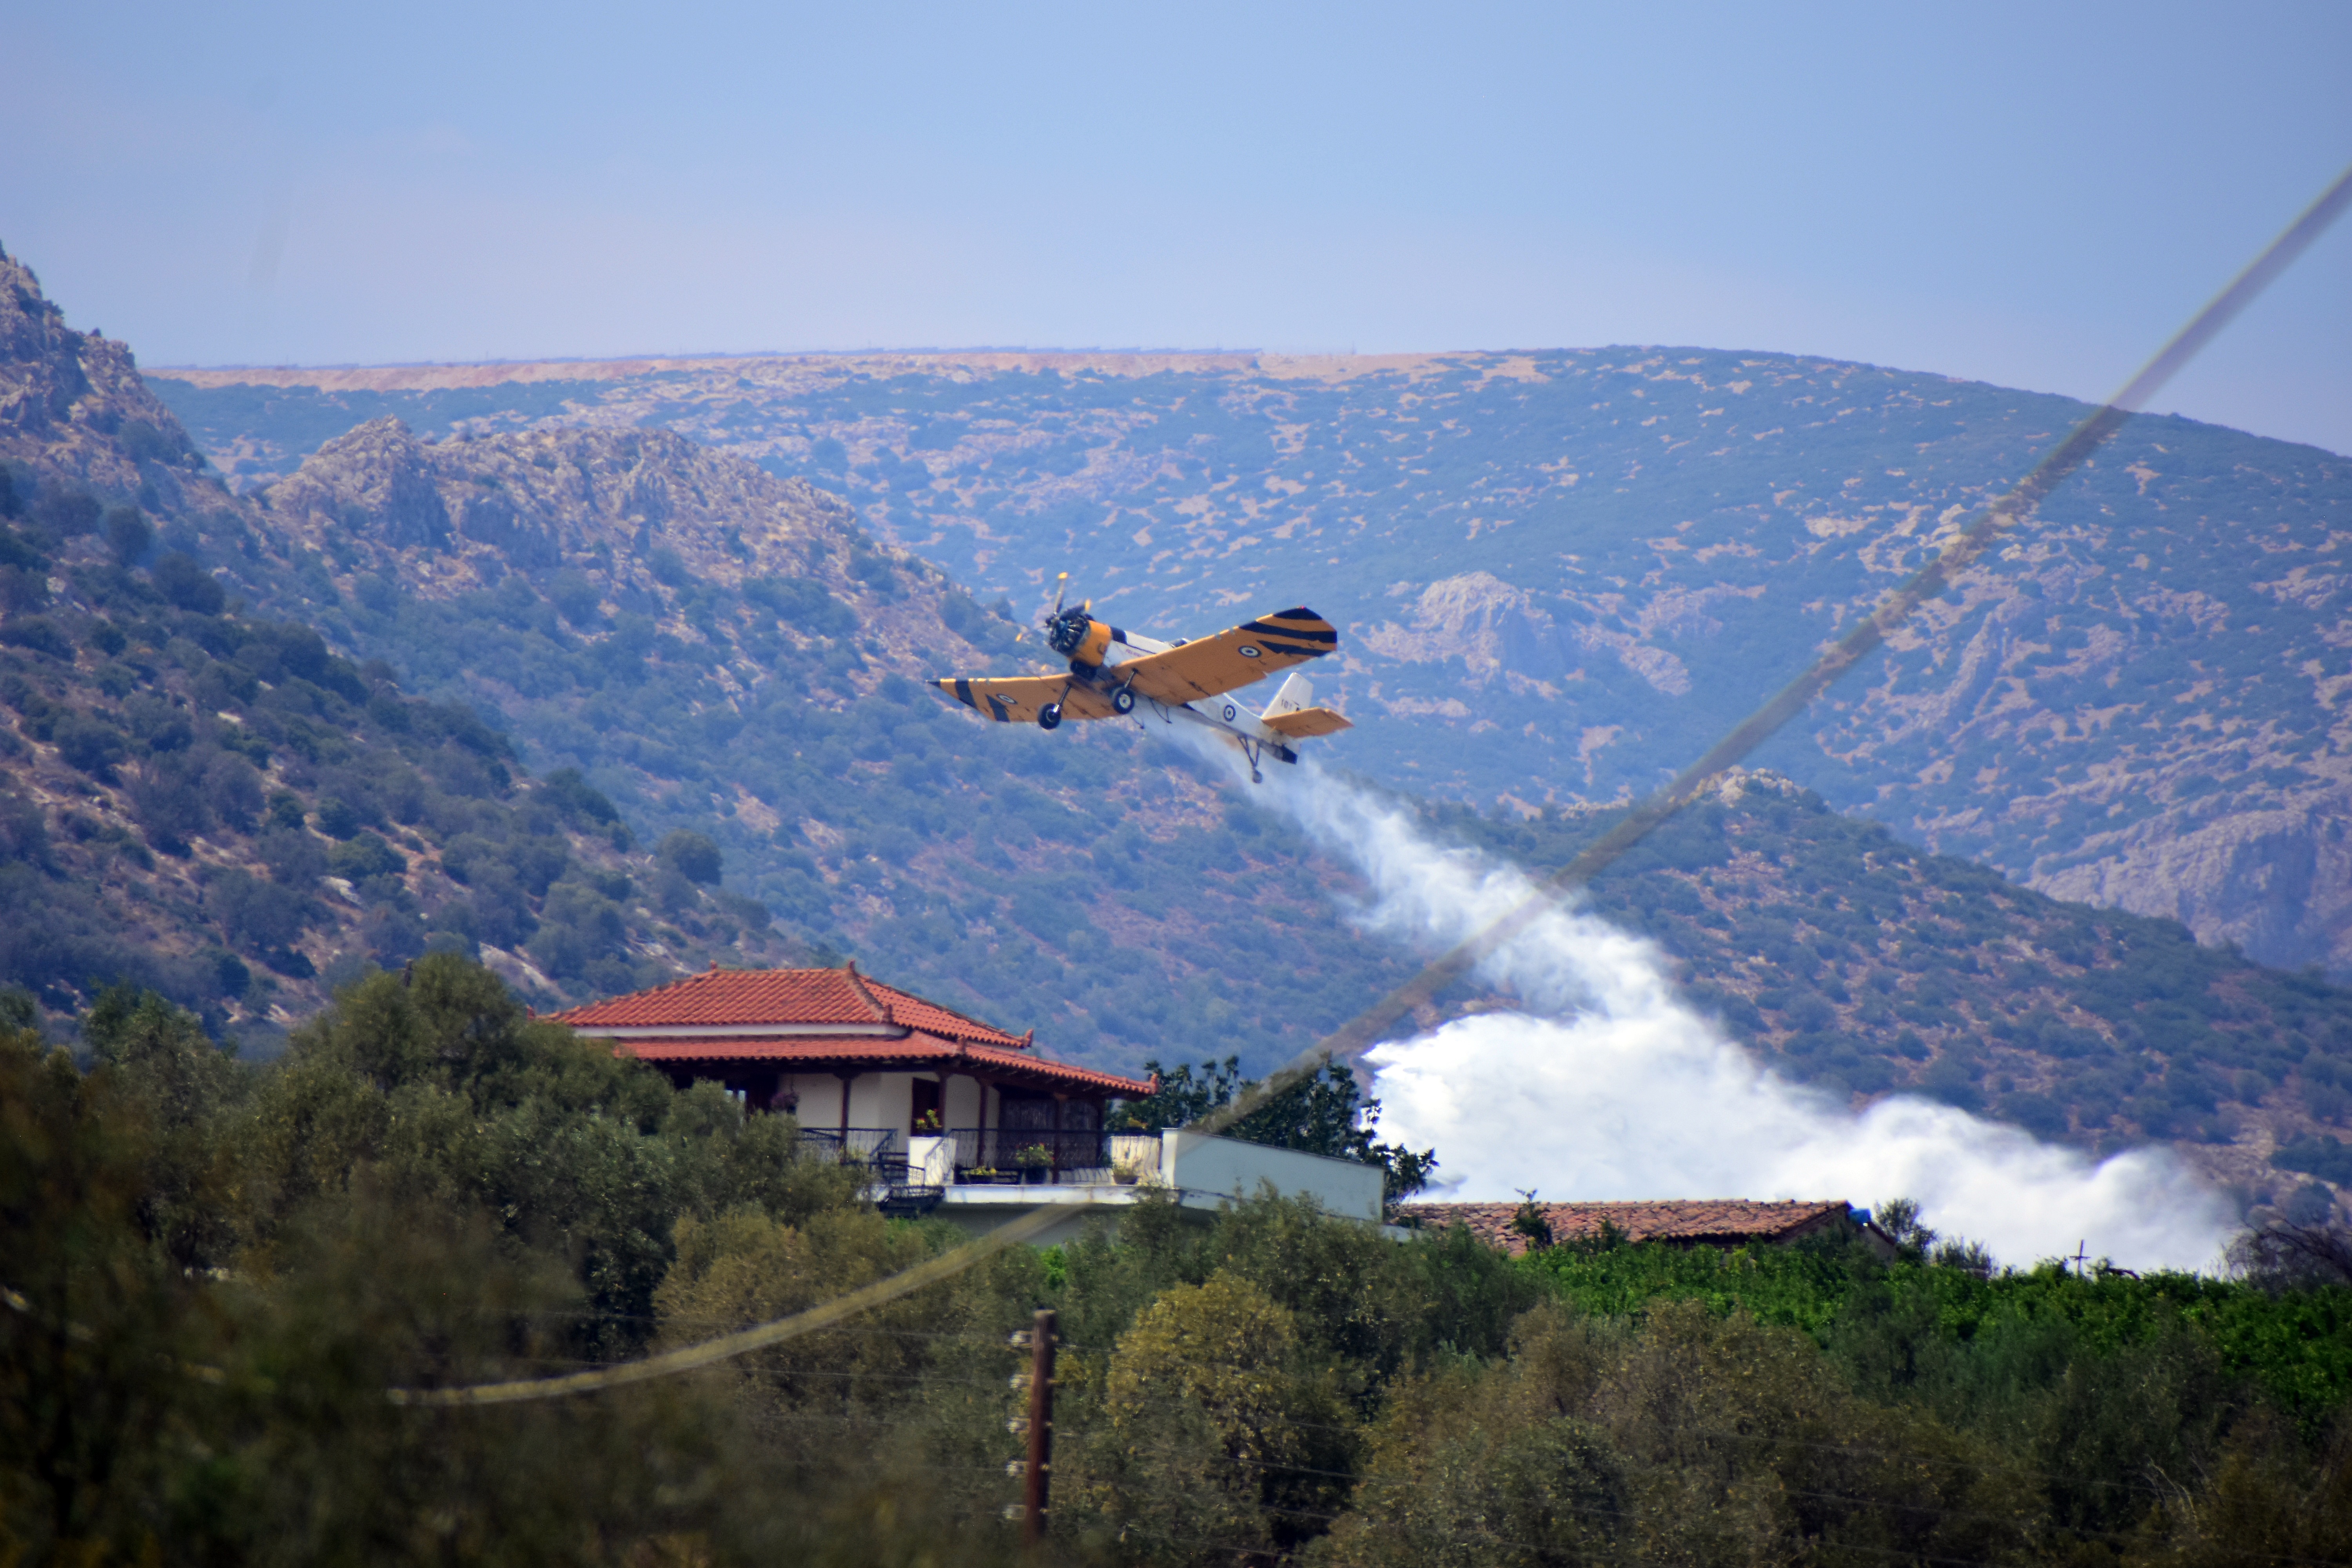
x,y
1016,699
1209,666
1300,625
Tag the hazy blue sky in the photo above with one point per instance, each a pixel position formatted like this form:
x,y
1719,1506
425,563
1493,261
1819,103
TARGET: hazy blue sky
x,y
2031,194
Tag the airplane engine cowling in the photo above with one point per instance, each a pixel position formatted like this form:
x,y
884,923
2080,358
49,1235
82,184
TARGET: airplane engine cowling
x,y
1067,631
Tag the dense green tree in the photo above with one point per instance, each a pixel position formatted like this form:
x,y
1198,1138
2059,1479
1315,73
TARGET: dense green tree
x,y
690,855
129,534
215,1272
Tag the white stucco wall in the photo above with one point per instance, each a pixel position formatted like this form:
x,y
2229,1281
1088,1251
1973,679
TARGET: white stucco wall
x,y
962,1103
1227,1167
884,1099
1207,1173
820,1098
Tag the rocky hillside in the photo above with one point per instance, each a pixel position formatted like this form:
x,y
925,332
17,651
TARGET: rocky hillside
x,y
209,802
1592,562
723,651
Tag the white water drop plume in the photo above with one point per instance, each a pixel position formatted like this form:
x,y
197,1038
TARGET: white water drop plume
x,y
1607,1084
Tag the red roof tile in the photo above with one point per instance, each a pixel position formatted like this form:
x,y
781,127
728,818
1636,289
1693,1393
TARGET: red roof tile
x,y
873,1053
756,999
932,1018
1720,1222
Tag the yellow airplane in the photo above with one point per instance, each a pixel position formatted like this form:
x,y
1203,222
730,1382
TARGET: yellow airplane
x,y
1183,681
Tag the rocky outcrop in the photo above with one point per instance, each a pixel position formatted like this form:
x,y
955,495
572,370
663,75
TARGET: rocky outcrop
x,y
2278,882
205,801
627,507
377,480
75,414
1499,631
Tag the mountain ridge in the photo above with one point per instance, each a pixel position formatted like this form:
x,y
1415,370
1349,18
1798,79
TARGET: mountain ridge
x,y
1633,543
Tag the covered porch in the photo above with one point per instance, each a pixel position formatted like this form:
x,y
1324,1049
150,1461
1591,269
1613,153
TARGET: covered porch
x,y
926,1096
938,1127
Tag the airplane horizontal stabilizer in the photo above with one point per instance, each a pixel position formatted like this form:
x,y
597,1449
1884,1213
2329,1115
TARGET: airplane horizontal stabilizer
x,y
1305,723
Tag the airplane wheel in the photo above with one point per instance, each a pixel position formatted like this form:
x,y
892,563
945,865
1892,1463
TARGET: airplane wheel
x,y
1122,700
1050,716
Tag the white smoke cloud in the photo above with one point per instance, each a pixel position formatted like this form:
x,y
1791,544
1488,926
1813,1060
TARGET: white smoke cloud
x,y
1608,1085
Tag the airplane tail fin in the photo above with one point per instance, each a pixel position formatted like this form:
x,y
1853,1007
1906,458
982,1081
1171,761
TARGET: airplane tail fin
x,y
1292,694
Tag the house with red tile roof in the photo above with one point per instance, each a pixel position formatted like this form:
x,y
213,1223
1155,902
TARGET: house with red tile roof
x,y
867,1065
951,1114
1686,1222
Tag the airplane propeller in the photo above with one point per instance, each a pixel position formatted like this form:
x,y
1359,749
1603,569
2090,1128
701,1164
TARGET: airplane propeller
x,y
1064,628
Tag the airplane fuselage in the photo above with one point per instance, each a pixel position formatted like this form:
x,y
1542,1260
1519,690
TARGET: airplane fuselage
x,y
1088,642
1226,717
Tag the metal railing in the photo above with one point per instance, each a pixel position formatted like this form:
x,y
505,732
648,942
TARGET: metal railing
x,y
882,1148
1006,1151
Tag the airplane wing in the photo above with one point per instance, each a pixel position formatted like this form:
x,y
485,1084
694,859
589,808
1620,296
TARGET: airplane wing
x,y
1209,666
1015,698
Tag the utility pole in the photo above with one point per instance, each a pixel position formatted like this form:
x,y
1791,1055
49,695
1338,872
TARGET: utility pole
x,y
1041,1427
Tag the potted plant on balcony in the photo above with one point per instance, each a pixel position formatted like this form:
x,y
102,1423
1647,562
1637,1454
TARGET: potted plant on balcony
x,y
1036,1162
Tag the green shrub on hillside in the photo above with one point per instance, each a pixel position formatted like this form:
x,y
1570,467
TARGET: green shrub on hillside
x,y
245,733
218,1270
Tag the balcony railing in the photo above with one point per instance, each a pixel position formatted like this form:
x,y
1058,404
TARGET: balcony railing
x,y
1006,1151
882,1149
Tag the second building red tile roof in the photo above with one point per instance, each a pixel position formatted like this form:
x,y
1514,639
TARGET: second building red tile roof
x,y
1722,1222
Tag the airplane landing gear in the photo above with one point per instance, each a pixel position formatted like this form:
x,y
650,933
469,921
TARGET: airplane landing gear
x,y
1050,716
1122,700
1250,749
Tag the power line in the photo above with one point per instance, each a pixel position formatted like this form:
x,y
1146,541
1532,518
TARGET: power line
x,y
689,1358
